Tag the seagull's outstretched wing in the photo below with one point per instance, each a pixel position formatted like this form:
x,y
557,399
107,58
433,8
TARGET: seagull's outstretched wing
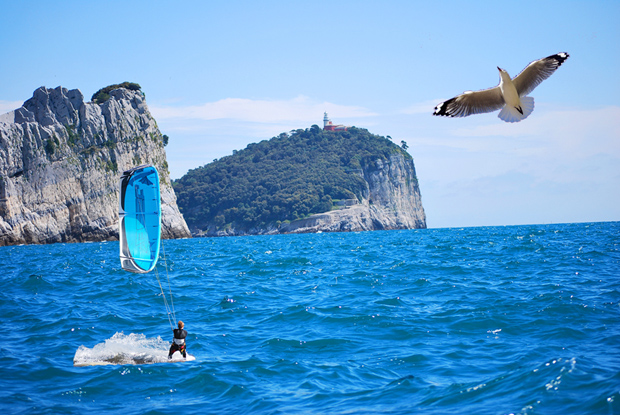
x,y
538,71
471,102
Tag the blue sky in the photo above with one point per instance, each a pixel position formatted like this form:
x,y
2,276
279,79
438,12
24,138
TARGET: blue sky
x,y
220,75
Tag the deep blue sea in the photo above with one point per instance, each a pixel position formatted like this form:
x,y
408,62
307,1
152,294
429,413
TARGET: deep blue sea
x,y
489,320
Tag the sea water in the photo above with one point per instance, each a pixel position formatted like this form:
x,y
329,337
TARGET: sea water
x,y
492,320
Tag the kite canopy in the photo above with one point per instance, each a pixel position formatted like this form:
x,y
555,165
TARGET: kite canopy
x,y
139,219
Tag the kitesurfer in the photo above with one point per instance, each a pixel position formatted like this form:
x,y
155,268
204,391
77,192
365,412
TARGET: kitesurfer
x,y
178,342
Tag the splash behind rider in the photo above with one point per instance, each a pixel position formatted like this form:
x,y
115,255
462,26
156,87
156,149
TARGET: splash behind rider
x,y
178,342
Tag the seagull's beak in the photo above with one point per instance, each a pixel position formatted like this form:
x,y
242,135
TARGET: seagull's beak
x,y
499,69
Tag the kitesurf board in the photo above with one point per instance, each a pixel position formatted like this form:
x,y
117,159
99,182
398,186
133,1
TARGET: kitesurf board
x,y
190,358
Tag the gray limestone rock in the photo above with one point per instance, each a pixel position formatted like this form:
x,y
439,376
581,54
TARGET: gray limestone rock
x,y
60,162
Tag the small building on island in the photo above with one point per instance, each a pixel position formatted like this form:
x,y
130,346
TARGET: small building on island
x,y
328,126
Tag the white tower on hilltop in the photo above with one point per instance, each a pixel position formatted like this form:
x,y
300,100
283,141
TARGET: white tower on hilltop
x,y
328,126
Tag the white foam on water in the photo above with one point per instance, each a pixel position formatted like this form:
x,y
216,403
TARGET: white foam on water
x,y
132,349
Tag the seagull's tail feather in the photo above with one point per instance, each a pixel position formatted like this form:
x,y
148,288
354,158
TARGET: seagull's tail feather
x,y
527,105
511,114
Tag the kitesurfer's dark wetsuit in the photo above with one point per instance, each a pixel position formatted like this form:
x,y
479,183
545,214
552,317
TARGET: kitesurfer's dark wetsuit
x,y
178,343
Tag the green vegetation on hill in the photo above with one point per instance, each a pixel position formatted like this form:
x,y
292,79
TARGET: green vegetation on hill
x,y
103,94
285,178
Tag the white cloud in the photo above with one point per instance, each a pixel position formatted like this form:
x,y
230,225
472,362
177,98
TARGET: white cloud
x,y
426,107
570,132
556,122
298,110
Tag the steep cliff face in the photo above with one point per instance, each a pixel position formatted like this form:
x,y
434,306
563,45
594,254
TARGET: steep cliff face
x,y
391,201
60,161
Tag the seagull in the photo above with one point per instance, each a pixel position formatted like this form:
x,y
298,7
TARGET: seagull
x,y
509,95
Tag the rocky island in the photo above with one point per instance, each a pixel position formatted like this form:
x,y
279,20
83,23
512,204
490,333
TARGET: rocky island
x,y
61,159
314,180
